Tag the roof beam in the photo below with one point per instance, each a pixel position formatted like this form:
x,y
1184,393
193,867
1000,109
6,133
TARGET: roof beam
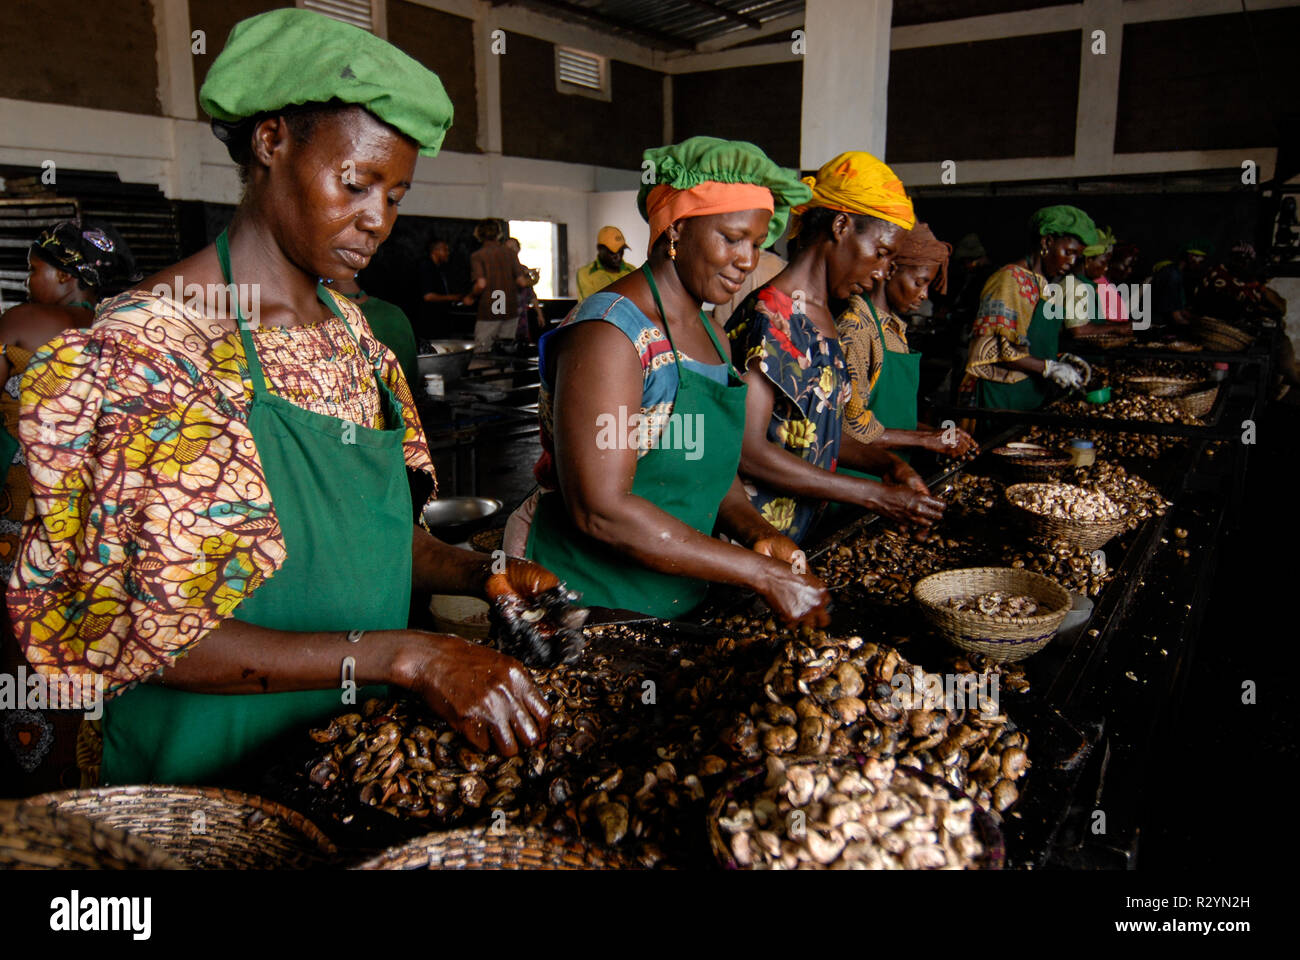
x,y
734,16
779,25
572,9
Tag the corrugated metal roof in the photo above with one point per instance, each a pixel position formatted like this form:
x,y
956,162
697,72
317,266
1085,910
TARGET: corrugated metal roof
x,y
672,24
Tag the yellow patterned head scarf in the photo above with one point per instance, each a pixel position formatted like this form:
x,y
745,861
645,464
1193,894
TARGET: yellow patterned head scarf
x,y
856,182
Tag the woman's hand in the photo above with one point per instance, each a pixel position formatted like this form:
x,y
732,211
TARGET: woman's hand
x,y
485,695
953,442
795,598
520,578
907,504
780,547
901,474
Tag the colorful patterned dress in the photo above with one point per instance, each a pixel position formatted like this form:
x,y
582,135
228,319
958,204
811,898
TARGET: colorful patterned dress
x,y
1001,324
150,518
810,378
864,354
17,486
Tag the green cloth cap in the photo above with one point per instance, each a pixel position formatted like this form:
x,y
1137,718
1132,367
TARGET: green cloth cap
x,y
1105,241
1200,246
288,57
701,159
1064,219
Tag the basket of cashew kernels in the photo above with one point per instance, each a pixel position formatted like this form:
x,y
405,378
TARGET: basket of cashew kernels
x,y
849,813
1003,613
1087,519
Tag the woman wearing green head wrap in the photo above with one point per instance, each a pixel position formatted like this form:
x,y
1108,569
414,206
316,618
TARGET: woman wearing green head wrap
x,y
220,463
1092,304
1013,349
642,416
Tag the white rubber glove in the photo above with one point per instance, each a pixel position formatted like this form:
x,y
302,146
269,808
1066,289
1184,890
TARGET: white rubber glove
x,y
1062,374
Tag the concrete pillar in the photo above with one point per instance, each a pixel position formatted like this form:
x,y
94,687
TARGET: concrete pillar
x,y
845,78
171,21
1094,126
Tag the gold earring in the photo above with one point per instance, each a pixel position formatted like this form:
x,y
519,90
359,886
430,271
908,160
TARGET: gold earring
x,y
672,249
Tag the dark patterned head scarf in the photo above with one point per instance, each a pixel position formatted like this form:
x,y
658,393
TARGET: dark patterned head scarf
x,y
91,250
919,247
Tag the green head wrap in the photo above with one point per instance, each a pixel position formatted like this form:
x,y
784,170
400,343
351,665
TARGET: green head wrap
x,y
1201,246
1105,241
703,159
289,57
1064,219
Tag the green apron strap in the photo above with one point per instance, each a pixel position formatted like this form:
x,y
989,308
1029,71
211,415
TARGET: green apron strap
x,y
687,485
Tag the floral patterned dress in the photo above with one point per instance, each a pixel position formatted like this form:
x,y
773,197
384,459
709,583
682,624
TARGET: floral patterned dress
x,y
810,378
142,463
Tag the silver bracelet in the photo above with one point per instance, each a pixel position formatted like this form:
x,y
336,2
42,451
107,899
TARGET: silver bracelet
x,y
354,636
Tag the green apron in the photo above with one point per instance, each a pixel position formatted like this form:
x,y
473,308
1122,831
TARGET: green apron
x,y
893,398
8,447
1044,337
690,490
339,490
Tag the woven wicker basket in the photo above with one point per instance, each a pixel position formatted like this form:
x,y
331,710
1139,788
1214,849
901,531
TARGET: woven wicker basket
x,y
1104,341
1221,336
1222,344
998,638
747,783
1161,386
481,848
1084,534
1200,402
46,838
205,827
1019,463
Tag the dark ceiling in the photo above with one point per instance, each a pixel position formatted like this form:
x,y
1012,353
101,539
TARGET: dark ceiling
x,y
684,24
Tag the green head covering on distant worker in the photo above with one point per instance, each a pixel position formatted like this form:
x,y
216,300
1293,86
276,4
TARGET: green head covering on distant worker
x,y
1064,220
290,57
1105,242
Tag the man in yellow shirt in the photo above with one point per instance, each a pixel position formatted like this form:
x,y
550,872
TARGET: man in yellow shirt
x,y
608,265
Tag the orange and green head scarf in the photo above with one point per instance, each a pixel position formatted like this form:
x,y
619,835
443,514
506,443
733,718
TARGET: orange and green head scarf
x,y
857,182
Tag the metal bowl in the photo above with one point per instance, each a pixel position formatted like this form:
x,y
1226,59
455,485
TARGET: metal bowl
x,y
457,518
448,357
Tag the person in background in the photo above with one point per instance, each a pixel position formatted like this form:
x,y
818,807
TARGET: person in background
x,y
969,272
531,321
71,266
1013,349
436,290
389,325
608,266
1123,262
769,265
1099,305
1234,291
497,277
885,373
784,341
1173,282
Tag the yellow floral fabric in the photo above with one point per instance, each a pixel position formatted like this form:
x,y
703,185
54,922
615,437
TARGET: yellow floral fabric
x,y
1006,309
150,518
864,354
